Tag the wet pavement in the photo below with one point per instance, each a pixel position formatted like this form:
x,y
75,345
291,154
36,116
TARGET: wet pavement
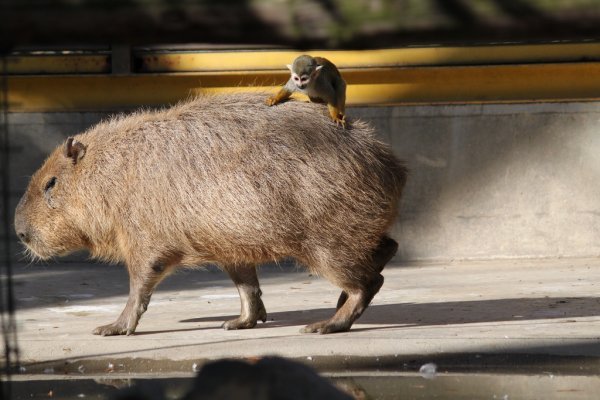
x,y
535,317
361,385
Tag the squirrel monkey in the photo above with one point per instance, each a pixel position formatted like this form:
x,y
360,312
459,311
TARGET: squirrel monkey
x,y
320,80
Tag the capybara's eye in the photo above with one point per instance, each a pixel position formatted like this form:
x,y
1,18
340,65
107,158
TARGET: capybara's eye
x,y
50,184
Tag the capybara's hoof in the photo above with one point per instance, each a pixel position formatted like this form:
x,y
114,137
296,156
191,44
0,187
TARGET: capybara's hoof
x,y
262,312
325,327
247,323
238,323
112,330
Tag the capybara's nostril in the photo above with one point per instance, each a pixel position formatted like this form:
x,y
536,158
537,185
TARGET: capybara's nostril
x,y
23,236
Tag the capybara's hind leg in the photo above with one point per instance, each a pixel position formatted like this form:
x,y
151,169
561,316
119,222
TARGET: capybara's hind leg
x,y
356,303
341,300
252,309
383,253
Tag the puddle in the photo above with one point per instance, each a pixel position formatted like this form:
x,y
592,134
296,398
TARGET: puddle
x,y
476,386
360,386
444,377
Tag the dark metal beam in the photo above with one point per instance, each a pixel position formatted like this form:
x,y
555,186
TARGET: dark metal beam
x,y
299,24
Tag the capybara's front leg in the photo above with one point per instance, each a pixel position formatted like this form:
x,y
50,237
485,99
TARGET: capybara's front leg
x,y
141,285
252,308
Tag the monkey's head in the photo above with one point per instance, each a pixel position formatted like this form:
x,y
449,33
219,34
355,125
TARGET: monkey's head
x,y
304,69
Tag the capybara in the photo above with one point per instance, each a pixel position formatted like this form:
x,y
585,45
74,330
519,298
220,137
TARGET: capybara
x,y
222,180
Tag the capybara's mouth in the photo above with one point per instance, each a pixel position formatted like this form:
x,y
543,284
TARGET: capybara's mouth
x,y
37,253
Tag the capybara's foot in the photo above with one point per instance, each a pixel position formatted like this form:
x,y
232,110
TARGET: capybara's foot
x,y
350,306
327,326
239,323
113,329
247,322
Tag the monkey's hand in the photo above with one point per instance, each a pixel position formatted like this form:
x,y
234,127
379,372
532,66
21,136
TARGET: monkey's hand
x,y
282,95
271,101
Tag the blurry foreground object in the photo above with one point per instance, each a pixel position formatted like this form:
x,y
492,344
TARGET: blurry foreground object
x,y
270,378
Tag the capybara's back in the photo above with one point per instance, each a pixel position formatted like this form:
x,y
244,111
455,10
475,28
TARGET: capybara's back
x,y
226,180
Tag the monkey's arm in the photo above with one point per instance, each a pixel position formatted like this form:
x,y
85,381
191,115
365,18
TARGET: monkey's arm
x,y
337,102
284,93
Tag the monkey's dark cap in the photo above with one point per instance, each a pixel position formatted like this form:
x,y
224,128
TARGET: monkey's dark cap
x,y
304,63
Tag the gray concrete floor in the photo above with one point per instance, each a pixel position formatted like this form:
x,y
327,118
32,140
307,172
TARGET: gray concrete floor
x,y
543,307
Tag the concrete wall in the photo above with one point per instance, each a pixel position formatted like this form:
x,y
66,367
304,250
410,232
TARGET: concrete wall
x,y
487,181
497,181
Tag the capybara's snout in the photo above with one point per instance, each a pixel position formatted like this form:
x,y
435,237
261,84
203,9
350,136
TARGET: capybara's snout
x,y
21,227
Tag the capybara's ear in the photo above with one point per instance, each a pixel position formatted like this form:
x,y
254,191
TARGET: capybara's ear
x,y
74,150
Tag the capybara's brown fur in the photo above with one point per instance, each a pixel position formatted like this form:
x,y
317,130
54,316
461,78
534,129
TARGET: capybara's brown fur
x,y
223,180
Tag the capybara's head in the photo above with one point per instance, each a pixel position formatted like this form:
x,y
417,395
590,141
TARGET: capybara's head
x,y
45,214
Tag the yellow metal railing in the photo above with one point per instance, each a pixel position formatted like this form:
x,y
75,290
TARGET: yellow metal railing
x,y
375,77
406,57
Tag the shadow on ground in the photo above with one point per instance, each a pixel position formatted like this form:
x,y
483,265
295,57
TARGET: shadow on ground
x,y
446,313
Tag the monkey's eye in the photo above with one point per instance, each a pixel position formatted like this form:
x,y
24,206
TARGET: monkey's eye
x,y
296,79
50,184
304,79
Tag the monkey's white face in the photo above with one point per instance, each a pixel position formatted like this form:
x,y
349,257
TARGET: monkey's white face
x,y
301,81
